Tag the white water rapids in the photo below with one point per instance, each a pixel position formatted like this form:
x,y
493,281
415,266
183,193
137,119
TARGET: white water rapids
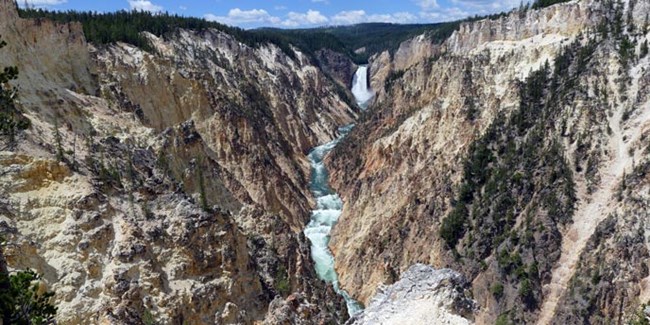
x,y
329,204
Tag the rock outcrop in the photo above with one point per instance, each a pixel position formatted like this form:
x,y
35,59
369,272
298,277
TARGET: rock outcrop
x,y
423,295
337,65
485,159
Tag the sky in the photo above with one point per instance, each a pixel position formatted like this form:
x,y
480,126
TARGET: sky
x,y
296,13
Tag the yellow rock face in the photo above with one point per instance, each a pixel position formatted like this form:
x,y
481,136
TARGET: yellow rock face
x,y
409,158
119,229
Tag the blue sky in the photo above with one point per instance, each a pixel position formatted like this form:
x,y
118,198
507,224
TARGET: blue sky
x,y
298,13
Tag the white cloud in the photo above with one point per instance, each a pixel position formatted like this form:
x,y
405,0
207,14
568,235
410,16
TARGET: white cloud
x,y
144,5
182,8
41,3
311,17
428,4
460,9
447,14
360,16
321,1
396,18
349,17
237,16
487,6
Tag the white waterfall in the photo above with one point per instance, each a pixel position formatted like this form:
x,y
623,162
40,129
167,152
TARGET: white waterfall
x,y
360,88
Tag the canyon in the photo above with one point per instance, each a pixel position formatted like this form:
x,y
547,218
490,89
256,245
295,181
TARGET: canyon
x,y
500,175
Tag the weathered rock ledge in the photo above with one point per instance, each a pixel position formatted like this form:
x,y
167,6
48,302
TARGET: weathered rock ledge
x,y
423,295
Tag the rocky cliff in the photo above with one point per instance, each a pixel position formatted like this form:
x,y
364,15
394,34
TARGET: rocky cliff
x,y
338,66
423,295
513,152
168,185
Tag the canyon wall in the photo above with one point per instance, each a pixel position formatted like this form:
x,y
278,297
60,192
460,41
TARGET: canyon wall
x,y
168,185
513,153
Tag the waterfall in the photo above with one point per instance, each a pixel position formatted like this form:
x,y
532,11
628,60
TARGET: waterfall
x,y
360,88
329,205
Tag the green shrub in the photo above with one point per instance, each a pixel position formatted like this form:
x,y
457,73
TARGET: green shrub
x,y
526,292
502,320
453,226
282,284
21,301
533,271
11,121
392,78
497,290
639,317
147,318
625,50
520,272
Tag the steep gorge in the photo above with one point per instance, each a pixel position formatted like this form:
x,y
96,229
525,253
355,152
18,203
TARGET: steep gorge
x,y
175,183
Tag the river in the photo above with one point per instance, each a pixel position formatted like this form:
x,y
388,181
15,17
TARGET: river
x,y
329,205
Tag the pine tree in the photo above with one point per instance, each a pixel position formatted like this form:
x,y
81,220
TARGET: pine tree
x,y
60,155
11,121
20,299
